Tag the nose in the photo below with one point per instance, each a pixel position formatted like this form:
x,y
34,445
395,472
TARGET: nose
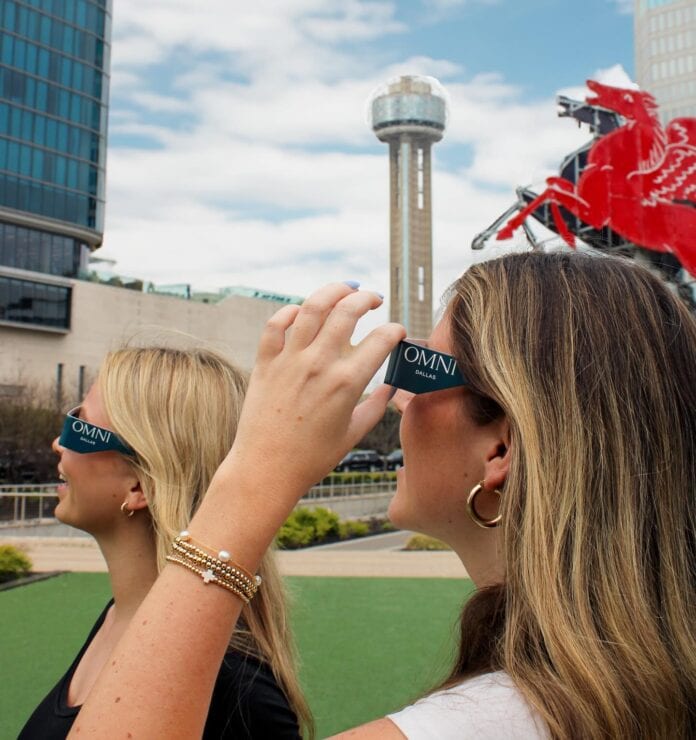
x,y
401,399
57,448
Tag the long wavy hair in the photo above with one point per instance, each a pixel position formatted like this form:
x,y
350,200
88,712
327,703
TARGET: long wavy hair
x,y
593,361
179,410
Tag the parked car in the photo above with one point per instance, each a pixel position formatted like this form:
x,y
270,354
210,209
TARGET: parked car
x,y
394,460
360,460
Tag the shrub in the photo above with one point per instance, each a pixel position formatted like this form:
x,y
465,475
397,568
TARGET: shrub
x,y
326,523
292,535
387,526
13,563
353,528
307,526
424,542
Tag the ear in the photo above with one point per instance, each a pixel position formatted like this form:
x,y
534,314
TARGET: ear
x,y
499,455
136,498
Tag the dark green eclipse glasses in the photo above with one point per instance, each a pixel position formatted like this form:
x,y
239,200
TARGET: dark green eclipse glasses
x,y
80,436
418,369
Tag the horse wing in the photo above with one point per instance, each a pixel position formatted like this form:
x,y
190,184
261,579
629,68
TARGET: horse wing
x,y
681,131
673,180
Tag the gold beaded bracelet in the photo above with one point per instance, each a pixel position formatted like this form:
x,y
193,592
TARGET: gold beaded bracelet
x,y
209,577
224,555
222,570
213,569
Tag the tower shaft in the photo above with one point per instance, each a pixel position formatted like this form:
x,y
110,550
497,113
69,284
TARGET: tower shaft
x,y
411,262
410,115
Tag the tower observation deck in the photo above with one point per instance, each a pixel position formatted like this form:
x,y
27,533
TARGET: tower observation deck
x,y
410,114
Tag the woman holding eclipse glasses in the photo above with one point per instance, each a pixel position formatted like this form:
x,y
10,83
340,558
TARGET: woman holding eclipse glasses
x,y
136,459
562,472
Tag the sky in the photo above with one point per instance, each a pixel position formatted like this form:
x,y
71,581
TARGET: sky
x,y
239,151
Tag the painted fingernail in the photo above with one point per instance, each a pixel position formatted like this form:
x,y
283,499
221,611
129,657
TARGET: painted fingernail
x,y
354,284
381,295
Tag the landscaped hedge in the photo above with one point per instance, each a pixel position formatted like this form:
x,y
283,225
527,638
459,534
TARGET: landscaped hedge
x,y
358,477
424,542
13,563
319,525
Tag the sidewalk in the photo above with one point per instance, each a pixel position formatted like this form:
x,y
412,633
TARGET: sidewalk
x,y
342,559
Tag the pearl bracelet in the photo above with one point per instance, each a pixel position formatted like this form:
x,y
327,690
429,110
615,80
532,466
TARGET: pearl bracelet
x,y
212,569
208,577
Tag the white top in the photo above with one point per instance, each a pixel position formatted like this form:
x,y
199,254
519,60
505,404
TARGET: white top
x,y
487,707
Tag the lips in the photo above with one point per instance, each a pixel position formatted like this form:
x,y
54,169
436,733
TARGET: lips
x,y
63,485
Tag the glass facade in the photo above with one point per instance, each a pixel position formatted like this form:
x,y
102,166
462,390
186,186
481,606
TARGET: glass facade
x,y
40,251
31,302
665,43
54,88
54,57
402,109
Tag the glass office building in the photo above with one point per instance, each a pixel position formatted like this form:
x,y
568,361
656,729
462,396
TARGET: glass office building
x,y
54,86
665,46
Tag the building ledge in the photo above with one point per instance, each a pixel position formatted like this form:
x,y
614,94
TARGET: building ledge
x,y
36,277
33,327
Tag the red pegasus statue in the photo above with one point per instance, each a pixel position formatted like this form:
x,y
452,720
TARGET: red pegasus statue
x,y
640,180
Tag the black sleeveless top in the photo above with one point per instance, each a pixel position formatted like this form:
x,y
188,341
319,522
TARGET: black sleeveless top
x,y
247,702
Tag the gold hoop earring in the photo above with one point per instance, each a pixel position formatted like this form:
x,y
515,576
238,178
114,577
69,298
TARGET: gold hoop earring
x,y
471,508
128,512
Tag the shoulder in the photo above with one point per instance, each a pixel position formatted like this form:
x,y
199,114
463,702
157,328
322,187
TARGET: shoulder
x,y
248,702
244,675
486,707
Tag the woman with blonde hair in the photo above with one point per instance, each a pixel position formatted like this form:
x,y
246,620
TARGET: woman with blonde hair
x,y
136,459
558,459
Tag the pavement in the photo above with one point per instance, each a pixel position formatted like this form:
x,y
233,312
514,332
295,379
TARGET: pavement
x,y
377,556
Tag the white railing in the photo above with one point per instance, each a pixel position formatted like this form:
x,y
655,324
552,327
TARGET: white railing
x,y
25,505
336,487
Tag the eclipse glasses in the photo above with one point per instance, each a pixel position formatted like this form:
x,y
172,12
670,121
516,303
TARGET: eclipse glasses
x,y
418,369
80,436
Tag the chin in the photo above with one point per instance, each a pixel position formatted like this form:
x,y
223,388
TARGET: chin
x,y
62,514
399,514
59,511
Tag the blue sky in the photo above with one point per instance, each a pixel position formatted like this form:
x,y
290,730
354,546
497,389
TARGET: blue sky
x,y
239,152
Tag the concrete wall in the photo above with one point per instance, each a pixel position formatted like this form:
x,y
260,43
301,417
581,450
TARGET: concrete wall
x,y
106,317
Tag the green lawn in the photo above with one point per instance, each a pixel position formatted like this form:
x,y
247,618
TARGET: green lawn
x,y
368,645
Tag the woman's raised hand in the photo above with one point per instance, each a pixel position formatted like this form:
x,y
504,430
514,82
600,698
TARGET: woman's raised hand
x,y
301,413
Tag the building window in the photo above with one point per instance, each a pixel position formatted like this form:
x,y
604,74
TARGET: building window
x,y
39,251
34,303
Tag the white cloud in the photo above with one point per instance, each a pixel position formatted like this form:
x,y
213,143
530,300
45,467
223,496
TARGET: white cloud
x,y
624,6
615,75
276,180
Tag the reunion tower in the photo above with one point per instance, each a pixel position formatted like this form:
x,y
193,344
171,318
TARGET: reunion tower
x,y
410,114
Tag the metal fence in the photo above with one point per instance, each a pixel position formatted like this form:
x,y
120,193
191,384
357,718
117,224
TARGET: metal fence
x,y
26,505
337,486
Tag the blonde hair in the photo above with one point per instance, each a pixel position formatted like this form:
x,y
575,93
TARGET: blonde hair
x,y
593,361
179,410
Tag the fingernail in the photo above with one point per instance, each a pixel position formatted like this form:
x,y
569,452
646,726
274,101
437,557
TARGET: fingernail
x,y
392,392
354,284
381,295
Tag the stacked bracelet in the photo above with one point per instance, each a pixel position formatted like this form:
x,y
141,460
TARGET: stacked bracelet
x,y
212,569
223,555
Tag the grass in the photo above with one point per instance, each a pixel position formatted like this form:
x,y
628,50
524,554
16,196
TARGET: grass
x,y
368,645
